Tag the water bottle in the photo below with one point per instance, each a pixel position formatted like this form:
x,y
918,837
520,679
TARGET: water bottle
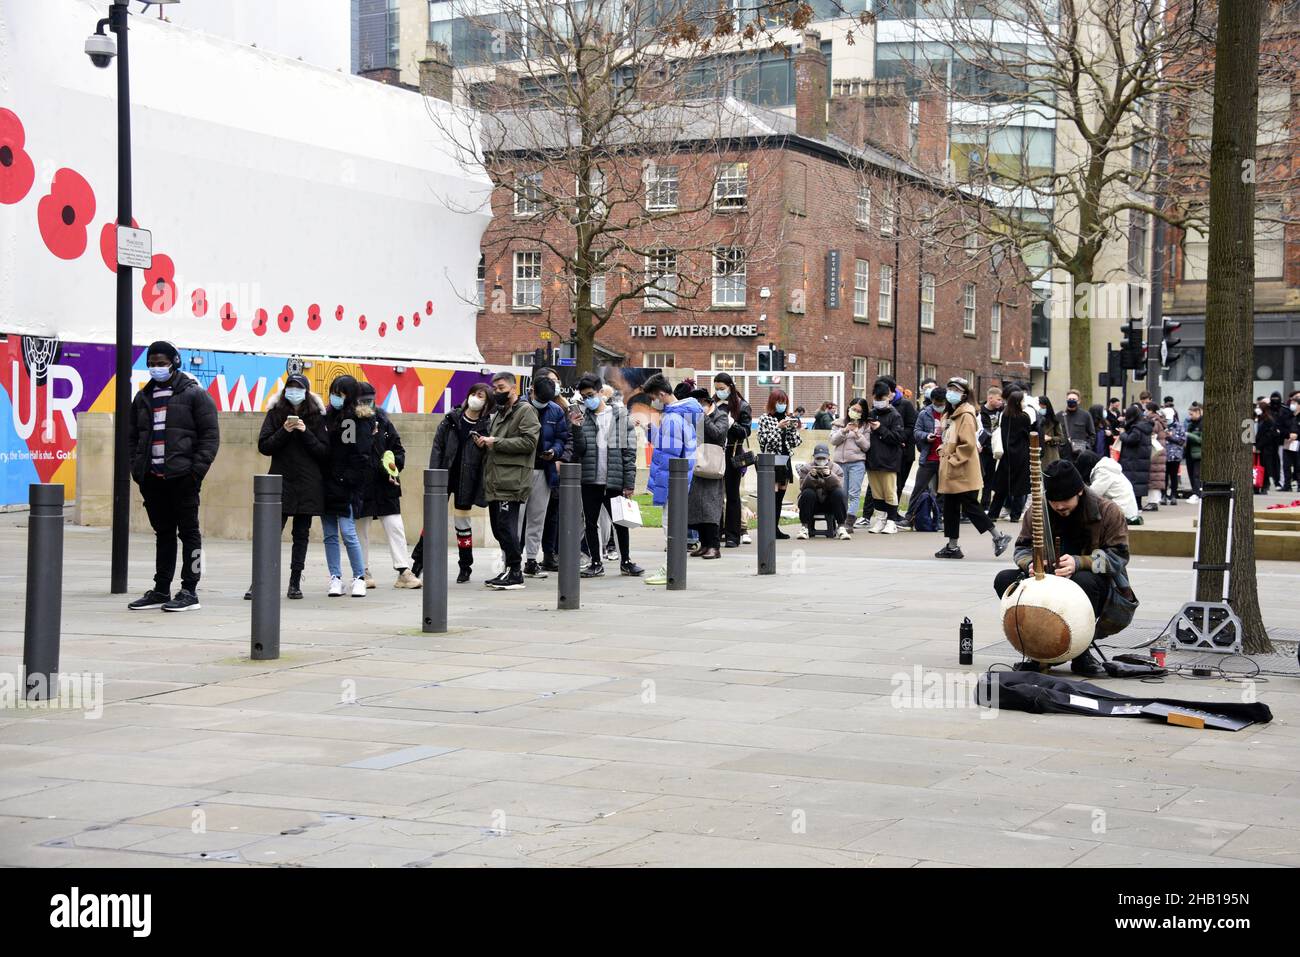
x,y
966,642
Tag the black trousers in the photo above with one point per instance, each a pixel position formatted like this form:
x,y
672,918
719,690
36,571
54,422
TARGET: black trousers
x,y
173,509
1172,479
505,526
594,498
551,529
731,525
1095,586
1194,475
1290,469
1272,467
834,503
301,532
710,534
988,468
954,504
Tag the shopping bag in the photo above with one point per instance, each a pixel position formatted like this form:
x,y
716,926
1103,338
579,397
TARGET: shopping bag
x,y
1115,448
625,512
1257,474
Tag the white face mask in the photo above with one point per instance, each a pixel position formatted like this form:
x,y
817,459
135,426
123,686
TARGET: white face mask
x,y
475,403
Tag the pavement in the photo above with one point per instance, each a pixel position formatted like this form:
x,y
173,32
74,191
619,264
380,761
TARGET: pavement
x,y
742,722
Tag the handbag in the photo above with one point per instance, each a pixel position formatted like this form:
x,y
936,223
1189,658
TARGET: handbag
x,y
1156,447
1115,448
625,511
998,450
710,461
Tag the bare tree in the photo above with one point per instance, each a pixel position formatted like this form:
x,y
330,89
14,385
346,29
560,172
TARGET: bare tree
x,y
612,146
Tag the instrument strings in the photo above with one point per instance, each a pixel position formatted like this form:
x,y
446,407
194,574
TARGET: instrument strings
x,y
1036,508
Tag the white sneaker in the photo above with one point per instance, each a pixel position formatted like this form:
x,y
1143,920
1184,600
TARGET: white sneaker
x,y
843,534
1193,500
745,539
336,587
889,528
876,525
359,588
803,533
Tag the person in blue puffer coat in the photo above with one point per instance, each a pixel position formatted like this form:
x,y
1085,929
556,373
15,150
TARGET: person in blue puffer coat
x,y
675,436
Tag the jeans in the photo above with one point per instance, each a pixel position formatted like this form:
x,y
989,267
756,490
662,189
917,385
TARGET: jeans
x,y
173,509
854,474
331,525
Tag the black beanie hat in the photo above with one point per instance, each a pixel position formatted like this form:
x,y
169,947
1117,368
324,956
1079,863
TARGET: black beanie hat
x,y
1061,480
163,348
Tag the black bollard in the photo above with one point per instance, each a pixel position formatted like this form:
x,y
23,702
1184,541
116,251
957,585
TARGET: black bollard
x,y
435,550
44,613
266,567
767,517
570,527
675,516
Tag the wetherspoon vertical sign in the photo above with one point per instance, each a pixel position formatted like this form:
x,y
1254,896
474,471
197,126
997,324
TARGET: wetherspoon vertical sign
x,y
833,279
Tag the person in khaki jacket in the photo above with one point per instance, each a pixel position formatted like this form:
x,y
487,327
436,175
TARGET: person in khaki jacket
x,y
509,450
960,477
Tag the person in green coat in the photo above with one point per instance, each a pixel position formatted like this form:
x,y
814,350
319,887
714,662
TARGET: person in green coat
x,y
509,448
1193,453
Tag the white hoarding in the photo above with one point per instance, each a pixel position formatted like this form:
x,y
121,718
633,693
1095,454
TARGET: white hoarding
x,y
293,209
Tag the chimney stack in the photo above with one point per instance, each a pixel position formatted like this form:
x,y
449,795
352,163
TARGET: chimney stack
x,y
436,72
810,100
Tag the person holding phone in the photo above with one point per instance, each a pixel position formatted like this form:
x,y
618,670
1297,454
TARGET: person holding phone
x,y
778,434
293,436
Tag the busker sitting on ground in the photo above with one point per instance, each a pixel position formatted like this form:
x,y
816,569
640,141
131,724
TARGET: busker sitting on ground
x,y
1094,554
821,492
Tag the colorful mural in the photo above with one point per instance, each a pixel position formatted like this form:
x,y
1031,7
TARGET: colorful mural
x,y
47,382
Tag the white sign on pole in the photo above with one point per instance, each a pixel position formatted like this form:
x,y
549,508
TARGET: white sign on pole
x,y
134,247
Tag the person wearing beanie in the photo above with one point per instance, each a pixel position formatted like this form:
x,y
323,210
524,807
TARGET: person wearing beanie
x,y
173,439
1085,540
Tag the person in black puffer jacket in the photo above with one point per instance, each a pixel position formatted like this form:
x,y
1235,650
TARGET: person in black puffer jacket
x,y
383,491
351,435
884,458
173,439
293,435
1135,451
455,450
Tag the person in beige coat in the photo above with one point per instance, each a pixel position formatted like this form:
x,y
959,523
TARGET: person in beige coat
x,y
960,477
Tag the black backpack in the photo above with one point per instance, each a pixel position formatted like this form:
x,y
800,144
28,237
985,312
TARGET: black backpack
x,y
926,517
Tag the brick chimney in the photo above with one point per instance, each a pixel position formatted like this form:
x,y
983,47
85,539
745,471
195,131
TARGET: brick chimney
x,y
436,72
872,113
810,87
387,75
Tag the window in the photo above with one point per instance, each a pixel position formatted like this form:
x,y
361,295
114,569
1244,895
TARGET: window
x,y
728,361
863,214
731,191
1274,111
728,276
1137,244
597,290
859,375
972,243
930,372
887,211
661,187
995,331
661,278
1268,241
968,318
528,280
660,360
884,367
1196,249
861,288
595,190
927,301
480,284
528,194
885,299
524,359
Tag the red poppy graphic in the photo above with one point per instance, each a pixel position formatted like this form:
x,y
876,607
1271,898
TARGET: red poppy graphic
x,y
428,308
415,321
285,319
383,328
338,313
65,212
313,317
199,303
361,322
159,292
228,318
108,243
401,323
259,322
17,172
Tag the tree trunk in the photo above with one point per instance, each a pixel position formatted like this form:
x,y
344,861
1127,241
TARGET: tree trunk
x,y
1230,317
1080,372
586,351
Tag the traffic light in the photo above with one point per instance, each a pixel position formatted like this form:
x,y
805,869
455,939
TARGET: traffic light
x,y
1131,352
1167,342
771,359
1140,370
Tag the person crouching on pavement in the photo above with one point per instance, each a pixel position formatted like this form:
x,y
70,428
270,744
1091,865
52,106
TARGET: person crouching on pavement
x,y
173,438
821,492
1093,554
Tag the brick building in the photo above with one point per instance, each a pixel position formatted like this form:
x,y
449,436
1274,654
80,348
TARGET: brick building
x,y
797,239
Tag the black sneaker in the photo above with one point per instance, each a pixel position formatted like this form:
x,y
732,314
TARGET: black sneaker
x,y
510,581
594,570
549,564
1029,665
533,570
248,595
185,600
949,551
463,577
493,582
1087,666
781,534
632,569
1000,542
149,600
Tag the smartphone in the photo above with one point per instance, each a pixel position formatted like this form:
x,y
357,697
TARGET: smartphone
x,y
293,418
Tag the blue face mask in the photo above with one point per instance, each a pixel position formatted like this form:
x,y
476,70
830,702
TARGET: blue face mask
x,y
160,373
295,396
336,401
953,397
724,394
592,402
780,407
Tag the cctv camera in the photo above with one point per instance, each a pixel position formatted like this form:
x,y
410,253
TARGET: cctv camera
x,y
101,49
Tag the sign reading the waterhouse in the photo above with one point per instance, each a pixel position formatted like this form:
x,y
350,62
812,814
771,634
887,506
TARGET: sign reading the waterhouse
x,y
833,279
654,332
